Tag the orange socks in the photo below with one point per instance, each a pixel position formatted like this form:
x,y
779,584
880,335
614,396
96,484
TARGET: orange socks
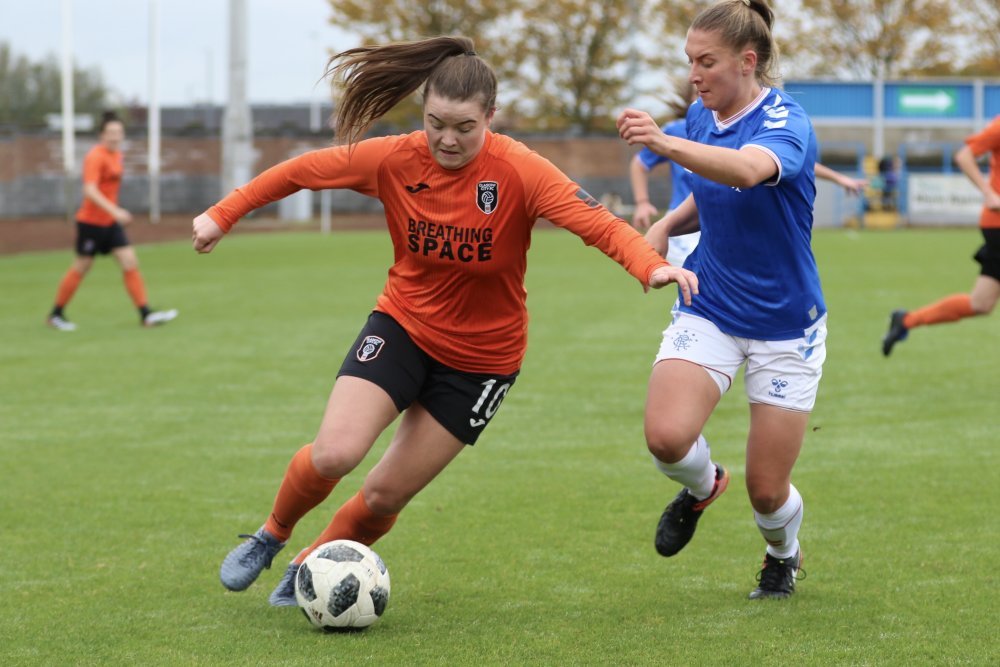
x,y
353,521
948,309
136,288
302,489
67,287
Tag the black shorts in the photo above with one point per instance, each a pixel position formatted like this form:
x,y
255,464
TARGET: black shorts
x,y
462,402
97,239
989,255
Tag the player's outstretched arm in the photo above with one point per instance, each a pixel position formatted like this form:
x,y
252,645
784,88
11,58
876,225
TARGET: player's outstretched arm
x,y
854,186
205,233
639,179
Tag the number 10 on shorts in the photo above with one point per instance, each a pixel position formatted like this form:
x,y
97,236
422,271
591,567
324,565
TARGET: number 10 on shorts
x,y
491,400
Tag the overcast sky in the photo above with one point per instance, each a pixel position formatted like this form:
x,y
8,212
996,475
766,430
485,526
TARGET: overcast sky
x,y
287,44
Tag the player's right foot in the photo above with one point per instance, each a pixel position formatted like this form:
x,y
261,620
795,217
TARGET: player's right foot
x,y
60,323
676,527
245,563
897,331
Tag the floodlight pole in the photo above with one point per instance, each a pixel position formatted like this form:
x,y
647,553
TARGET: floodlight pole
x,y
68,113
153,120
237,126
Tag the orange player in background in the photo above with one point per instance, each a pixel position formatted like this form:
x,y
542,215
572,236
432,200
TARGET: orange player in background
x,y
99,229
445,342
986,289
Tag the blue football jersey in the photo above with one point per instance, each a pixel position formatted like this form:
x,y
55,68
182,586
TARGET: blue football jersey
x,y
680,188
756,271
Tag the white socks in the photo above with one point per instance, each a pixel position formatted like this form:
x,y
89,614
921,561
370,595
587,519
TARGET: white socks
x,y
695,471
781,528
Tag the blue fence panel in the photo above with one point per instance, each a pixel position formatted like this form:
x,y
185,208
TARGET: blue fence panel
x,y
832,99
991,101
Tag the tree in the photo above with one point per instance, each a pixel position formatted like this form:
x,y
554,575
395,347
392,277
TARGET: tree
x,y
582,61
879,38
978,21
29,91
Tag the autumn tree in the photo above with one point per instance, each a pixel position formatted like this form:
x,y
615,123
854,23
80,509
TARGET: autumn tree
x,y
31,90
886,39
978,21
583,60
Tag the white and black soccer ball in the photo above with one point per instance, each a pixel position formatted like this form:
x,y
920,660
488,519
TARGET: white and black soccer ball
x,y
342,584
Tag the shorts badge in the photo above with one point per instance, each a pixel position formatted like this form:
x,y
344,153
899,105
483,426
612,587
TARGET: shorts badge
x,y
370,347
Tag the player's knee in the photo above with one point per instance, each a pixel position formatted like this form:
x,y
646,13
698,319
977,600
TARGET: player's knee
x,y
331,461
765,499
983,306
668,442
385,501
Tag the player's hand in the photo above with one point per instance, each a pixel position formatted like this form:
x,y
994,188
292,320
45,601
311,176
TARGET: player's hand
x,y
121,215
638,127
992,200
205,233
644,212
854,186
686,281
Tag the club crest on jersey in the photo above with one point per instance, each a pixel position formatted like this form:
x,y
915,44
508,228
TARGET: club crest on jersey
x,y
487,195
370,347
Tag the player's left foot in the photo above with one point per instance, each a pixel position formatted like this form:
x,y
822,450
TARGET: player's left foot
x,y
777,577
897,331
284,594
158,317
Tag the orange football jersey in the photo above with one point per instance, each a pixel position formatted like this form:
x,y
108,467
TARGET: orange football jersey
x,y
988,141
103,168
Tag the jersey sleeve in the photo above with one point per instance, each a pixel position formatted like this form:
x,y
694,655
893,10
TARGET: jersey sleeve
x,y
784,135
339,167
550,194
649,159
986,141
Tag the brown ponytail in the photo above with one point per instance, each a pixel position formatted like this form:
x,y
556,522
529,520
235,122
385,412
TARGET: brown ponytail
x,y
377,78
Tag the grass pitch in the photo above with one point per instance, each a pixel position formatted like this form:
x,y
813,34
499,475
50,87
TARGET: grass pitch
x,y
131,458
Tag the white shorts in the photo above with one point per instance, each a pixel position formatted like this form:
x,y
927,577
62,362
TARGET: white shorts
x,y
784,373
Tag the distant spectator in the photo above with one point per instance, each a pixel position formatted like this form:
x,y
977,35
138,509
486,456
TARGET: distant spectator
x,y
888,169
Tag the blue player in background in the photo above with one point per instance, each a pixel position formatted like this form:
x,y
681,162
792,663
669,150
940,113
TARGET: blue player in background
x,y
751,151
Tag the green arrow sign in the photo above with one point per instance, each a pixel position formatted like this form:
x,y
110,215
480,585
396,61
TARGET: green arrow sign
x,y
923,101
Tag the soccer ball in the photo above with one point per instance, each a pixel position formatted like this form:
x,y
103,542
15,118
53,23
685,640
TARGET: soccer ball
x,y
342,584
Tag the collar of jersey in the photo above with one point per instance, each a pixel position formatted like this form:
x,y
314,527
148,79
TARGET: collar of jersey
x,y
722,125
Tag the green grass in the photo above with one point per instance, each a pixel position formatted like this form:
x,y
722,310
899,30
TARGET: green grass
x,y
130,458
